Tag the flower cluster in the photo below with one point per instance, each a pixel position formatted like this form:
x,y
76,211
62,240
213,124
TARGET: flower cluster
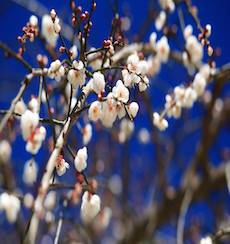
x,y
136,72
193,55
183,97
31,131
115,105
56,70
161,49
50,28
76,75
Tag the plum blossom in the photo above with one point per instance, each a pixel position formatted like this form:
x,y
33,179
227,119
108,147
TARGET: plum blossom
x,y
61,165
5,151
188,30
172,107
160,20
143,84
50,200
103,218
189,97
11,205
87,134
35,140
48,30
163,49
206,240
80,160
29,121
28,200
133,108
74,52
199,84
98,82
120,92
77,75
95,111
132,62
56,70
30,172
126,130
159,122
90,207
167,5
33,20
194,49
130,78
33,105
108,112
20,107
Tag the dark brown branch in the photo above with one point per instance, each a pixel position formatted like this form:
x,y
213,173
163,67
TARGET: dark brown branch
x,y
10,52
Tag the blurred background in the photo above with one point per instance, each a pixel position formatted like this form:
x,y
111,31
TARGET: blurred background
x,y
137,174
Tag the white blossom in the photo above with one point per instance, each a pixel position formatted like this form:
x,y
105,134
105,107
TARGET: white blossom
x,y
20,107
133,108
34,105
130,78
77,75
90,207
154,65
108,112
28,200
81,159
56,70
48,31
57,26
199,84
188,30
132,62
167,5
206,240
205,71
195,49
159,122
173,107
5,151
120,92
30,172
160,20
103,219
50,200
144,136
152,39
95,111
98,82
35,140
33,20
11,205
163,49
208,29
143,84
142,68
61,165
126,130
87,134
74,51
189,98
29,121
